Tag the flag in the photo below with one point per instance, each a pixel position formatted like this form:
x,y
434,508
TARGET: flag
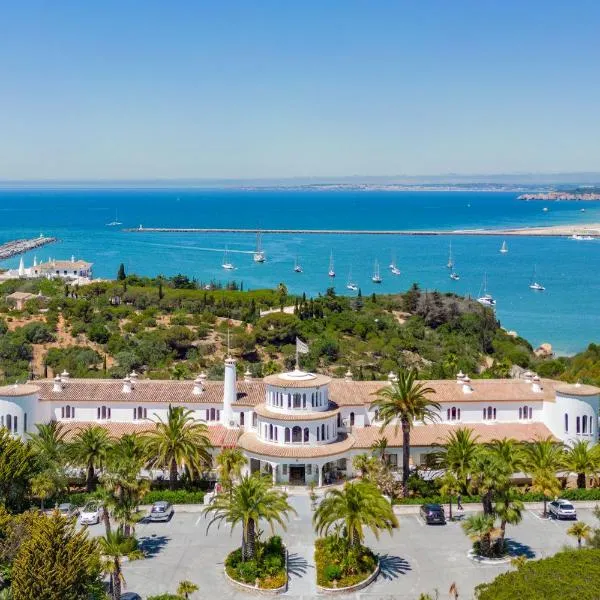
x,y
301,347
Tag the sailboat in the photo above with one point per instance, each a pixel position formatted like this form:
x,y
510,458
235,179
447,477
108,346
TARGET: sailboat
x,y
115,222
297,267
393,268
534,285
228,266
376,275
486,299
331,272
259,253
450,264
504,248
351,285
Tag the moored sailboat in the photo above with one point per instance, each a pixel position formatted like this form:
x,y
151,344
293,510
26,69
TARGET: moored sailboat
x,y
297,267
376,278
227,264
259,253
504,248
351,285
534,284
331,272
450,264
486,299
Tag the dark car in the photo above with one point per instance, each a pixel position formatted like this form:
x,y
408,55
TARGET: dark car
x,y
433,514
130,596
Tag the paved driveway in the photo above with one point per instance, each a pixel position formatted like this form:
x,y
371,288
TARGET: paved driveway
x,y
416,558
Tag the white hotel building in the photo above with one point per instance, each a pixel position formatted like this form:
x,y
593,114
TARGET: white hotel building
x,y
303,427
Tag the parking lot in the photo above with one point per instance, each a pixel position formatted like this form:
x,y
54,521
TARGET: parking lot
x,y
416,558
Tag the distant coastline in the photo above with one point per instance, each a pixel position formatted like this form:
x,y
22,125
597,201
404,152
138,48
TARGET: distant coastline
x,y
587,196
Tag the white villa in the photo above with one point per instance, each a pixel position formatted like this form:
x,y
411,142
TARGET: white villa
x,y
304,427
77,271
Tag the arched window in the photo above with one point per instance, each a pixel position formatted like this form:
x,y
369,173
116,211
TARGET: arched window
x,y
312,399
296,434
577,425
489,412
103,413
323,432
254,419
289,400
9,422
287,435
453,413
339,420
306,434
276,428
520,412
584,424
297,401
484,414
328,431
591,425
566,423
318,434
494,414
351,419
303,400
15,424
530,412
376,415
213,414
448,414
68,412
241,419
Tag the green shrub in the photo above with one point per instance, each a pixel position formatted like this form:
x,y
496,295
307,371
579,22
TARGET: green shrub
x,y
165,597
247,571
332,572
174,496
335,559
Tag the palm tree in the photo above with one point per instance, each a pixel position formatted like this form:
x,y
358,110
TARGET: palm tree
x,y
489,474
367,465
185,588
449,486
456,454
583,459
251,501
358,505
113,548
509,509
543,458
49,442
509,452
581,531
230,462
90,447
380,445
180,441
405,402
479,528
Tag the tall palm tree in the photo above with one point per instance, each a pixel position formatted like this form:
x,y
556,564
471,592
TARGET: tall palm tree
x,y
358,505
449,486
479,528
509,452
404,402
456,454
583,459
113,548
543,458
509,509
581,531
230,461
90,447
180,441
49,442
185,588
252,500
489,474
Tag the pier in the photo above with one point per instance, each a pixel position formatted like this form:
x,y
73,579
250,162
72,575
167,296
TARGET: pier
x,y
550,231
14,247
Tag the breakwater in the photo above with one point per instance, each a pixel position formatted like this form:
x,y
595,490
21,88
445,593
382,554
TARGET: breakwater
x,y
15,247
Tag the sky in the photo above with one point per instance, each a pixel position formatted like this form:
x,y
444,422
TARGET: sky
x,y
203,89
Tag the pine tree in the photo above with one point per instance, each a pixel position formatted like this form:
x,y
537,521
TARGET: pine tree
x,y
121,273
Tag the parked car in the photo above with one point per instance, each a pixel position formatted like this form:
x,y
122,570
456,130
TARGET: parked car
x,y
562,509
130,596
91,513
433,514
68,510
161,511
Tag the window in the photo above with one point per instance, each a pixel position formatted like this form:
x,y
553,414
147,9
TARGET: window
x,y
526,412
276,428
339,420
591,425
453,414
254,419
323,432
270,432
9,422
25,423
566,423
489,413
265,429
296,434
351,419
15,424
584,424
103,413
140,413
289,402
297,401
318,434
213,414
306,434
242,419
312,399
303,400
287,434
577,425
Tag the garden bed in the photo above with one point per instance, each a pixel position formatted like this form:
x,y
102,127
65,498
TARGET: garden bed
x,y
341,568
267,574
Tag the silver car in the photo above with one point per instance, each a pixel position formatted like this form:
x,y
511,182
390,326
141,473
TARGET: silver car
x,y
91,513
161,511
562,509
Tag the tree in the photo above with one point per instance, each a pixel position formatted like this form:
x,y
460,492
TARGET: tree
x,y
543,458
56,561
185,588
230,462
89,447
358,505
368,466
580,531
489,474
509,509
380,445
583,459
457,454
252,500
114,547
121,273
180,441
405,402
479,528
48,443
17,467
449,486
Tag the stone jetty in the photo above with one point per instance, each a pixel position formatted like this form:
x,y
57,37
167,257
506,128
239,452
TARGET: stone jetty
x,y
15,247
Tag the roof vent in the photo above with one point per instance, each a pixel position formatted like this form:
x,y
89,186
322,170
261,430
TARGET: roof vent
x,y
58,386
467,389
348,375
247,375
460,377
528,375
64,376
198,386
127,387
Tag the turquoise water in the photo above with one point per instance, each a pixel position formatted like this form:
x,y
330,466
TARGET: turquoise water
x,y
566,314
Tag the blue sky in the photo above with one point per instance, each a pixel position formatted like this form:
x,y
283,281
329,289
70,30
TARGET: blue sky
x,y
191,89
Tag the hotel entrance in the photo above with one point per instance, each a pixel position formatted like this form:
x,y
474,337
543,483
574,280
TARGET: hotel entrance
x,y
297,475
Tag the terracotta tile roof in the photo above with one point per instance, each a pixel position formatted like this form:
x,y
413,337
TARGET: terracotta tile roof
x,y
218,435
436,433
248,441
298,415
576,389
20,296
303,380
23,389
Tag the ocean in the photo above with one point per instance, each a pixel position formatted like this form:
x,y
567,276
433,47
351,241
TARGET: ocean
x,y
566,315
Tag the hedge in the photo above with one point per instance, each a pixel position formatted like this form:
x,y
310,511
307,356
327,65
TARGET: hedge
x,y
172,496
569,494
569,575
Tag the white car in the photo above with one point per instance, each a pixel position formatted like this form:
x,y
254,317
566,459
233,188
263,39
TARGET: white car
x,y
91,513
67,510
161,511
562,509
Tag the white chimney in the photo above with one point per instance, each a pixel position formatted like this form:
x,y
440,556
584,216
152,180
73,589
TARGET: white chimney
x,y
528,375
202,377
247,375
348,375
64,376
134,378
229,392
198,386
535,385
459,377
58,386
467,389
127,388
